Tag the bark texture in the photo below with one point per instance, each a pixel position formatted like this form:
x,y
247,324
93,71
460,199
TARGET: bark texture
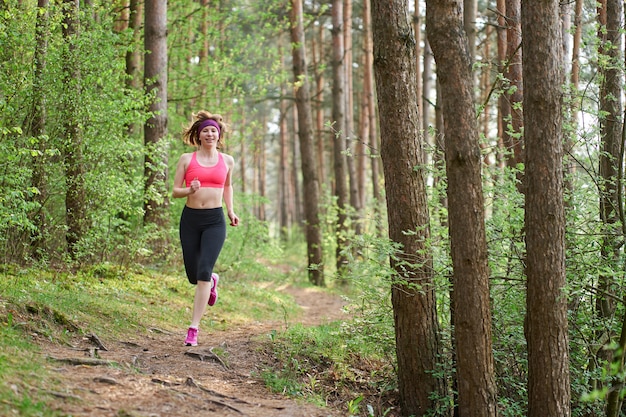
x,y
73,142
546,303
472,331
155,129
413,293
339,133
305,134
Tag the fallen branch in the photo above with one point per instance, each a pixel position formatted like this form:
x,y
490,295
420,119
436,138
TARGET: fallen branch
x,y
85,361
63,395
106,380
164,382
192,383
96,340
210,355
216,402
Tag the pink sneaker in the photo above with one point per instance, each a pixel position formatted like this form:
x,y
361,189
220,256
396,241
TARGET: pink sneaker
x,y
213,296
192,337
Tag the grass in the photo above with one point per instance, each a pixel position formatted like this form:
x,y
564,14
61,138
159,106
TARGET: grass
x,y
19,367
105,300
342,364
323,365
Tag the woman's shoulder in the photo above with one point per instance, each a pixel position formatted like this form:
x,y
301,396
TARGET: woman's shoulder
x,y
228,159
186,157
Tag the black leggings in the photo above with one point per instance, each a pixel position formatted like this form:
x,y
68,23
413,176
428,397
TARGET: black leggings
x,y
202,235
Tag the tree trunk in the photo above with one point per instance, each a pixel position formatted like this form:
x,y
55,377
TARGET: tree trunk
x,y
155,128
475,366
470,11
546,301
38,128
351,137
368,91
422,389
513,128
417,30
122,11
318,53
305,134
72,135
261,166
485,92
427,86
610,14
283,175
339,133
294,185
504,108
133,54
575,99
364,122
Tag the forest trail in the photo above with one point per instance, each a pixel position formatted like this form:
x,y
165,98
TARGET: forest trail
x,y
156,376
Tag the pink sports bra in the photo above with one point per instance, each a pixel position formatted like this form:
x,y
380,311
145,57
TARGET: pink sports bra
x,y
211,177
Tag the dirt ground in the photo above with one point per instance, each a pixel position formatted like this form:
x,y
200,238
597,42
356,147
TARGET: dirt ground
x,y
156,376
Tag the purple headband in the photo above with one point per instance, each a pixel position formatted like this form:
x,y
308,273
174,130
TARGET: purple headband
x,y
209,122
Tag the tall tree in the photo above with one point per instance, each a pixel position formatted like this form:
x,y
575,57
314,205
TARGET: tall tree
x,y
294,183
512,134
470,12
283,164
155,128
466,217
318,68
546,302
307,155
37,126
73,138
610,18
133,55
417,29
610,14
368,93
339,133
575,96
412,291
350,132
504,107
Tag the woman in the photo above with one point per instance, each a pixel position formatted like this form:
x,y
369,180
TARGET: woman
x,y
204,178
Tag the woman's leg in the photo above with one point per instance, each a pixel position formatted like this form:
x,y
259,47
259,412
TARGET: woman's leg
x,y
190,235
200,301
211,243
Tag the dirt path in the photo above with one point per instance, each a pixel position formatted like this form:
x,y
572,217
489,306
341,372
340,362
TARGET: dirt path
x,y
174,380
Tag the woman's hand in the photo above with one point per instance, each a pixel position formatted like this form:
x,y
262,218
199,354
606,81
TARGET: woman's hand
x,y
234,220
194,186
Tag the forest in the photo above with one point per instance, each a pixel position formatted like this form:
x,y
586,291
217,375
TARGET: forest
x,y
455,168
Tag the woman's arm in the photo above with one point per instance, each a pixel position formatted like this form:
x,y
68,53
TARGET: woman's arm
x,y
228,192
180,190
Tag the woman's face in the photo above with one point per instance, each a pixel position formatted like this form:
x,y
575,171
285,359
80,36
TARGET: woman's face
x,y
209,136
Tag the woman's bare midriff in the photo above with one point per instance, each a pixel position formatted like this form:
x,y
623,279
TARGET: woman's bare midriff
x,y
205,198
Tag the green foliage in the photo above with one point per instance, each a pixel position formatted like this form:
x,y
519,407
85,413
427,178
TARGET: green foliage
x,y
112,159
19,364
322,362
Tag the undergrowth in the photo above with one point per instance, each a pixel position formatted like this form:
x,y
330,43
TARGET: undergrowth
x,y
43,307
349,365
323,365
